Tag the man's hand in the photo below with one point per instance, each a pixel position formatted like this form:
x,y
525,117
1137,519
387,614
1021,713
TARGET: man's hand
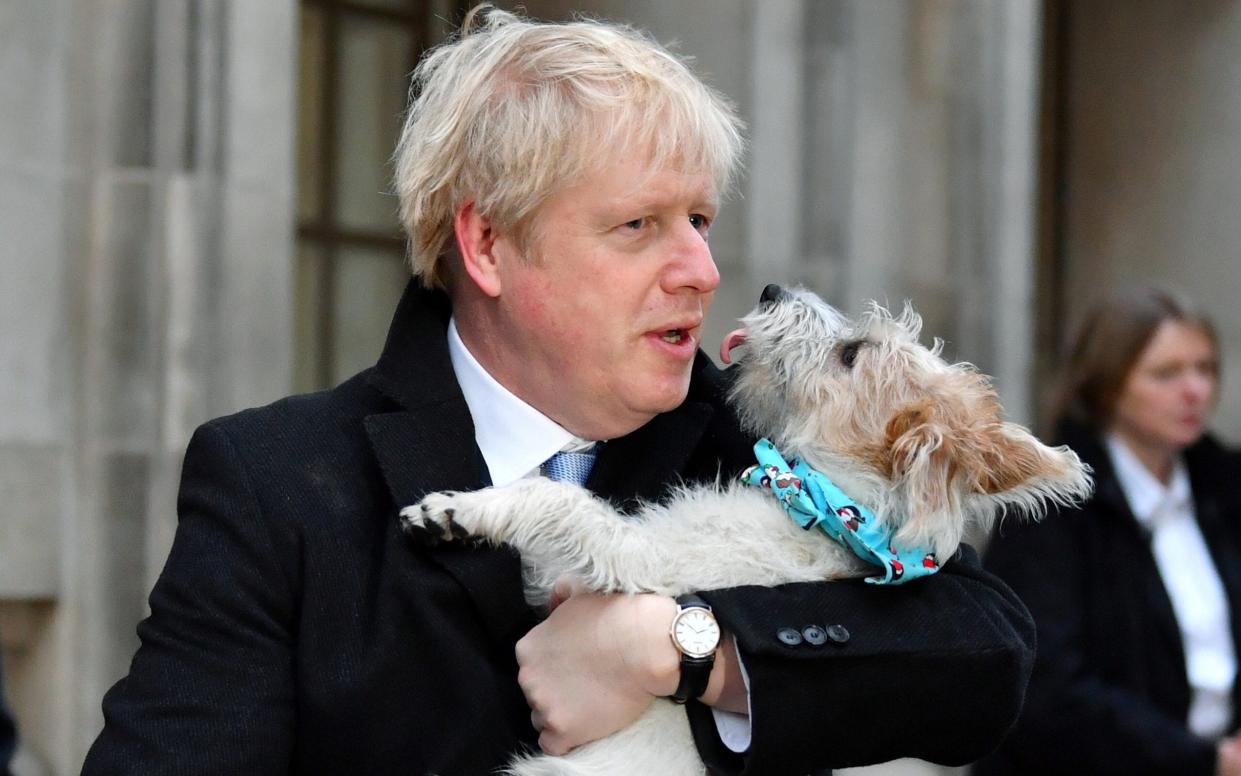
x,y
595,664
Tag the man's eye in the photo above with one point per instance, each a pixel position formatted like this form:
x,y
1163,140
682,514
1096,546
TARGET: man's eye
x,y
635,224
699,221
848,354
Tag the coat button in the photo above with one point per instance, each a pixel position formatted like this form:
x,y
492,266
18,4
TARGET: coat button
x,y
814,635
838,633
789,636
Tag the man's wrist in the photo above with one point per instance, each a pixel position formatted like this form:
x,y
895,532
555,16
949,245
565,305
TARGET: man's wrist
x,y
659,669
656,663
696,635
725,656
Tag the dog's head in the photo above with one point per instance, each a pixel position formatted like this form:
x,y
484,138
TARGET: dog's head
x,y
920,441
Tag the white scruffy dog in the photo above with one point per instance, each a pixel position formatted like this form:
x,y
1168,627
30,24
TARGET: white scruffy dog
x,y
920,442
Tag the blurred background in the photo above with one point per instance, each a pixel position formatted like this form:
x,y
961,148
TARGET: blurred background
x,y
195,218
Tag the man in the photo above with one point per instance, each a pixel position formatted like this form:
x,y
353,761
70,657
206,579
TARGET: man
x,y
557,183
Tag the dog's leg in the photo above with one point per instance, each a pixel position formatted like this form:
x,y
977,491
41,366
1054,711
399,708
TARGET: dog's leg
x,y
518,514
559,529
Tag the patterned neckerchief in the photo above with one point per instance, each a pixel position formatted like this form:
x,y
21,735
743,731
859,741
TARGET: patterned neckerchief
x,y
812,499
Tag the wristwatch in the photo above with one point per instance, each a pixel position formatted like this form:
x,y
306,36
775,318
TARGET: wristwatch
x,y
696,635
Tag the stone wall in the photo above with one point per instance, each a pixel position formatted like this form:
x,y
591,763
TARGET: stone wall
x,y
146,184
1153,171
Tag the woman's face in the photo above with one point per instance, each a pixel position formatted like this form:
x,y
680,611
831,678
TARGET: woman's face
x,y
1168,395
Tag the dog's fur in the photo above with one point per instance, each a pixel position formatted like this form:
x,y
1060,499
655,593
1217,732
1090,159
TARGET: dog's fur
x,y
919,441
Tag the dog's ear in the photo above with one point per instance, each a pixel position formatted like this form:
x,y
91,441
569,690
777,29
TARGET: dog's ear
x,y
1007,463
1002,457
952,467
919,453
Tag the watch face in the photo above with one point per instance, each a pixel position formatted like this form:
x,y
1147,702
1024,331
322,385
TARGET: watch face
x,y
696,632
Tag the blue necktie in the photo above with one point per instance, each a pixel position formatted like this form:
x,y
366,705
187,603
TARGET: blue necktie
x,y
570,467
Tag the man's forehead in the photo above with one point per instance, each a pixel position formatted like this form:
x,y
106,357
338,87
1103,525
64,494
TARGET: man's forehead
x,y
630,182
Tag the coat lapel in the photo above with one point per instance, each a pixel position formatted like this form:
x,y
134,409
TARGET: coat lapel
x,y
429,446
1156,594
432,450
1136,546
1212,473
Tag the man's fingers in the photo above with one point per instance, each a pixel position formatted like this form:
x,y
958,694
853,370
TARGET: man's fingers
x,y
564,589
552,738
552,743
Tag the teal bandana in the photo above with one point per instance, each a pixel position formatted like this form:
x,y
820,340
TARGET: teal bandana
x,y
811,499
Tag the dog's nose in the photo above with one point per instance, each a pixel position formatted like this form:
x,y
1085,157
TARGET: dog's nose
x,y
772,293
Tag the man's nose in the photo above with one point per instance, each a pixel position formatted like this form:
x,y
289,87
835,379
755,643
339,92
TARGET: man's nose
x,y
692,266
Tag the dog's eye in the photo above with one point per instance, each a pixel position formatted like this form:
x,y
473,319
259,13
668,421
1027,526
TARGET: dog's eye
x,y
848,354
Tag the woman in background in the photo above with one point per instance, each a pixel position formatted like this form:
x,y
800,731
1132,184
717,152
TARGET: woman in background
x,y
1136,593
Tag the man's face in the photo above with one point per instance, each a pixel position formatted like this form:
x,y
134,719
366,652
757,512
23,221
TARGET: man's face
x,y
600,324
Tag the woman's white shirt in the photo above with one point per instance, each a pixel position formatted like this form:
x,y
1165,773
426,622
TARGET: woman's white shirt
x,y
1192,582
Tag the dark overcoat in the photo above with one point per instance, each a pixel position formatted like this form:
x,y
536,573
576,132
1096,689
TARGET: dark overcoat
x,y
1109,692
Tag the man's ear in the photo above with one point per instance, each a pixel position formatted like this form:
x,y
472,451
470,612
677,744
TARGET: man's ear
x,y
476,239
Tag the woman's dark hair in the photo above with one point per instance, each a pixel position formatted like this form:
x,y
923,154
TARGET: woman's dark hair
x,y
1108,344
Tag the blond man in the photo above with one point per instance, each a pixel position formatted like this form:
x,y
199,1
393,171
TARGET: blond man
x,y
558,183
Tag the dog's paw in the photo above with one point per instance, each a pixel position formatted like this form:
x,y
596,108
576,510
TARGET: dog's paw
x,y
433,520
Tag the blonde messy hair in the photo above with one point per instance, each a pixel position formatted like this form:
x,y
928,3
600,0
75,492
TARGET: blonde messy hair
x,y
513,110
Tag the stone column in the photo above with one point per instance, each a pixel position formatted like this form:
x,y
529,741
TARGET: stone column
x,y
1152,173
995,240
919,159
773,204
150,172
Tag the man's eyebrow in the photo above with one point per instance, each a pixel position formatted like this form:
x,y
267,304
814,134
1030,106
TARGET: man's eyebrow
x,y
646,205
658,203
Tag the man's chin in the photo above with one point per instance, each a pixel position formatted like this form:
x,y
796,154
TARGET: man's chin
x,y
666,400
655,395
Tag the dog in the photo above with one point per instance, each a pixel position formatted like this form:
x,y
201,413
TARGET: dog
x,y
919,442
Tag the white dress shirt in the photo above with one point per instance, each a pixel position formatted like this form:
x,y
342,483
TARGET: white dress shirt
x,y
515,439
1192,581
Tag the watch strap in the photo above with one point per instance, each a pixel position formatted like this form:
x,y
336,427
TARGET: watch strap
x,y
695,671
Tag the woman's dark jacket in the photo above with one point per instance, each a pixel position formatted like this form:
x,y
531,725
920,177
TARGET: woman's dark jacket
x,y
1109,693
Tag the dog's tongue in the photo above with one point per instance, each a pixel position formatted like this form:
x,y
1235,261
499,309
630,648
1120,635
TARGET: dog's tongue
x,y
733,339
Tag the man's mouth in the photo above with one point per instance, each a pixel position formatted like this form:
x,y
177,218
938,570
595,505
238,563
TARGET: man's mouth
x,y
733,340
679,333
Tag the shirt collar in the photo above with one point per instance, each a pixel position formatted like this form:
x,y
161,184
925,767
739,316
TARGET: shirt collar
x,y
1147,496
514,438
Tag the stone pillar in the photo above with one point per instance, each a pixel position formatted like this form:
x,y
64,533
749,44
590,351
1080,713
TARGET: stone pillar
x,y
995,240
919,159
1152,173
147,165
773,207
